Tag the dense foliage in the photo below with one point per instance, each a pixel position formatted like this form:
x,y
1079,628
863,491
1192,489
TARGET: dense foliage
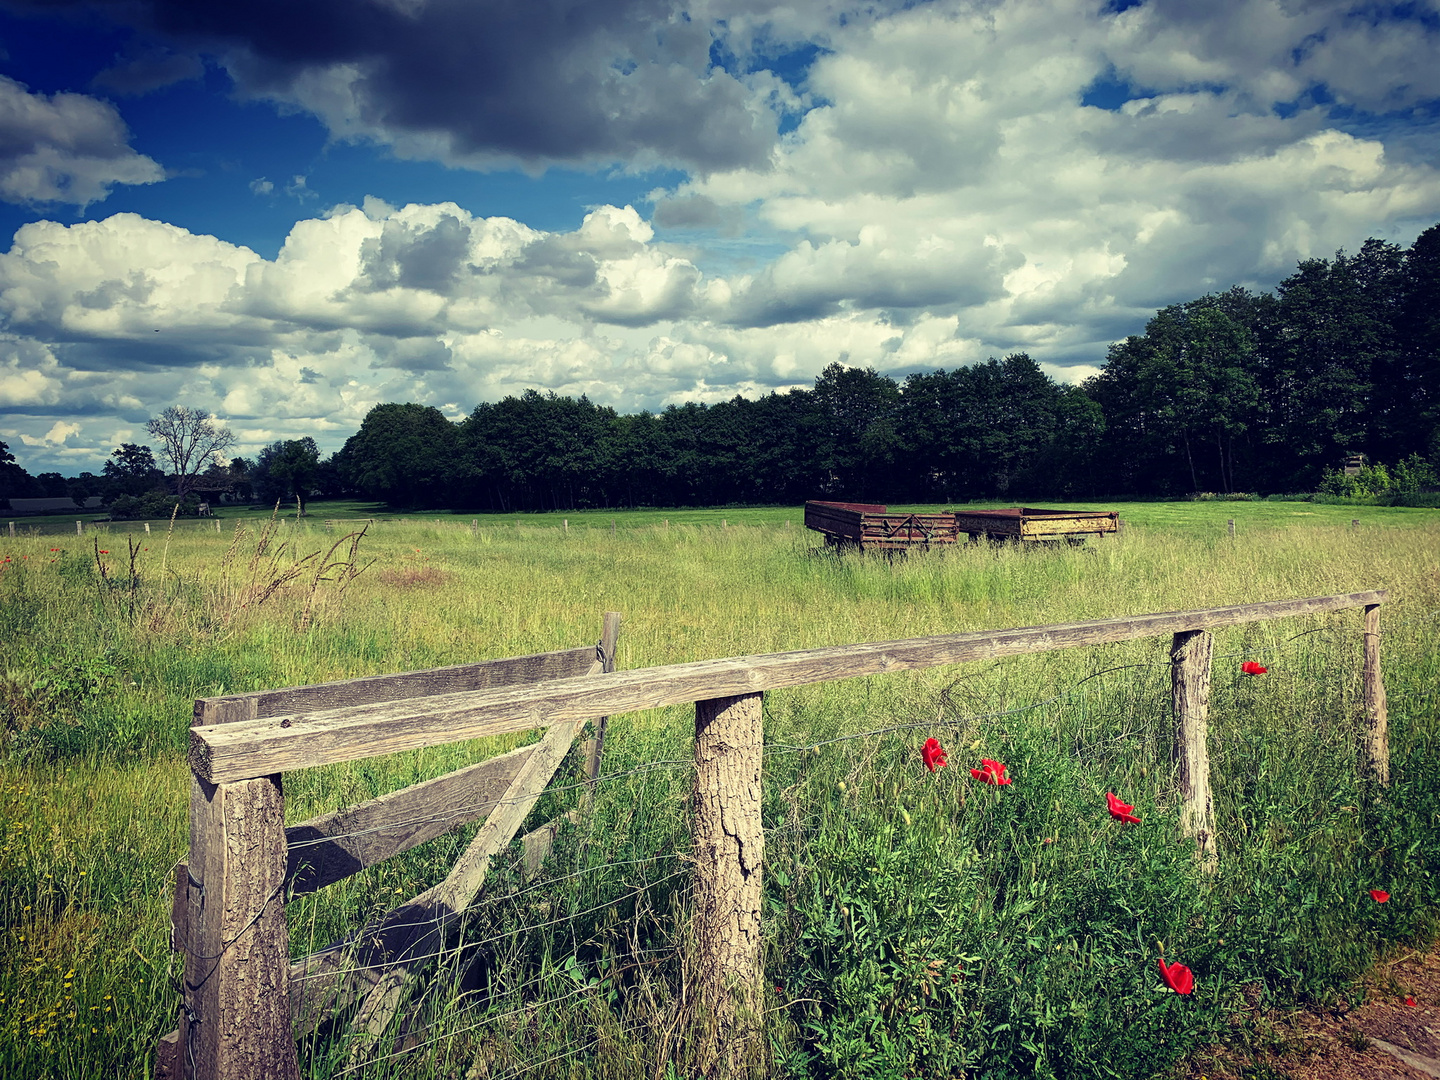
x,y
1235,391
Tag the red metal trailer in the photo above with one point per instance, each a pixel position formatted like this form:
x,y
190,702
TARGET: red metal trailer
x,y
871,527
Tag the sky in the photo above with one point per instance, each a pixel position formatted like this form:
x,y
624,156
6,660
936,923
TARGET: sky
x,y
288,211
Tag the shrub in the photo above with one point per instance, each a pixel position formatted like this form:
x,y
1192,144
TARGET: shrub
x,y
1411,476
152,506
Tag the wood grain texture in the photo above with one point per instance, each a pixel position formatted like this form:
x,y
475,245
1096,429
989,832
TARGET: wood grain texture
x,y
237,945
1377,722
276,744
180,907
726,971
331,847
1191,653
513,670
167,1057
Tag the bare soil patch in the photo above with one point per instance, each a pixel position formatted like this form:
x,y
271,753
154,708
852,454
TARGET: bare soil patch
x,y
1385,1037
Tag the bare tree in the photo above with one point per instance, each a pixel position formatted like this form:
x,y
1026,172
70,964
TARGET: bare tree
x,y
189,441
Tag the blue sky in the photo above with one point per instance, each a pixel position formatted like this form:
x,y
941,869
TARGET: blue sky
x,y
286,213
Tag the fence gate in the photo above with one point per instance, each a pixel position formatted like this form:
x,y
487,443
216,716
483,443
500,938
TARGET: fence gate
x,y
244,1001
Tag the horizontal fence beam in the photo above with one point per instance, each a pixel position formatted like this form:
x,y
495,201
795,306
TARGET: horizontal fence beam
x,y
262,747
371,689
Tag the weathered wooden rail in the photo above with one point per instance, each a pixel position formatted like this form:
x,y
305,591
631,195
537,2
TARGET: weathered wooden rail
x,y
244,1000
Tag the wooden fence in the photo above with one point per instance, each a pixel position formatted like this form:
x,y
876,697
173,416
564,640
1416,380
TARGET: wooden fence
x,y
245,1002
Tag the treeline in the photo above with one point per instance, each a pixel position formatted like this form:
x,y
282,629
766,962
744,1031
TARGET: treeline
x,y
1236,391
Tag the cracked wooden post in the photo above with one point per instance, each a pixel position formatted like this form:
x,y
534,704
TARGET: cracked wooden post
x,y
729,849
1190,657
236,1022
1377,724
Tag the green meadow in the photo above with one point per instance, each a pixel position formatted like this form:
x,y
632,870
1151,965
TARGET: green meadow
x,y
917,923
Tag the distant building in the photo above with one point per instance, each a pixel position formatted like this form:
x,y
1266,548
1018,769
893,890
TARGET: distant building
x,y
19,507
1354,463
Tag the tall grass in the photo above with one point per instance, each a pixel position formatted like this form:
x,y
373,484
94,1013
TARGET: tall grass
x,y
916,923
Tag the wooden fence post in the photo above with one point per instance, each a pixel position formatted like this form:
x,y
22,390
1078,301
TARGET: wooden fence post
x,y
1232,528
727,974
236,1020
79,528
595,746
12,530
1190,657
1377,725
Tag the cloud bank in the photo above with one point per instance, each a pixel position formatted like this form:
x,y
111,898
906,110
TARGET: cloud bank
x,y
955,181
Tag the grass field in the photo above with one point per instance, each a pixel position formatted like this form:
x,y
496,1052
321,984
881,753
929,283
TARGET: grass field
x,y
917,924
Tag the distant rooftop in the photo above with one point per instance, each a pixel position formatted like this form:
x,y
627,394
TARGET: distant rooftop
x,y
55,506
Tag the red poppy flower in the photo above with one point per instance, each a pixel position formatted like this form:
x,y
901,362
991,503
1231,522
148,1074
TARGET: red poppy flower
x,y
1249,667
104,552
1379,895
933,754
990,772
54,549
1411,1001
1120,811
1177,977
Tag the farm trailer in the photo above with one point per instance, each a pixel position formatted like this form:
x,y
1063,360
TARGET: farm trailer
x,y
872,527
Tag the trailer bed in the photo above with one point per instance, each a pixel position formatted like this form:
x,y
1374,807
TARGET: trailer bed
x,y
1035,523
872,527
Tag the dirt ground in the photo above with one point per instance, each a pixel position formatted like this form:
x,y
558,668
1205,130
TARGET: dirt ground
x,y
1386,1038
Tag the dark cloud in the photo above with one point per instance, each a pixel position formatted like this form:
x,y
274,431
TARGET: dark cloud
x,y
417,258
692,212
557,258
415,355
528,81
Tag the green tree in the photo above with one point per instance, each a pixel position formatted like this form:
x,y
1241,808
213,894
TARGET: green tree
x,y
859,437
287,469
130,470
1338,320
1178,396
15,482
402,454
1411,392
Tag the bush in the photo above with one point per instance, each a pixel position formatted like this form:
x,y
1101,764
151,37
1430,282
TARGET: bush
x,y
1411,476
152,506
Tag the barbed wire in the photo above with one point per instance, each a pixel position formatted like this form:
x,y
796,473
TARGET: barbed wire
x,y
779,748
1221,745
529,1006
460,915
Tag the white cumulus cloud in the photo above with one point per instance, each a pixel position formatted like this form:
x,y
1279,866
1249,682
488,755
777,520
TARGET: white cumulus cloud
x,y
64,148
